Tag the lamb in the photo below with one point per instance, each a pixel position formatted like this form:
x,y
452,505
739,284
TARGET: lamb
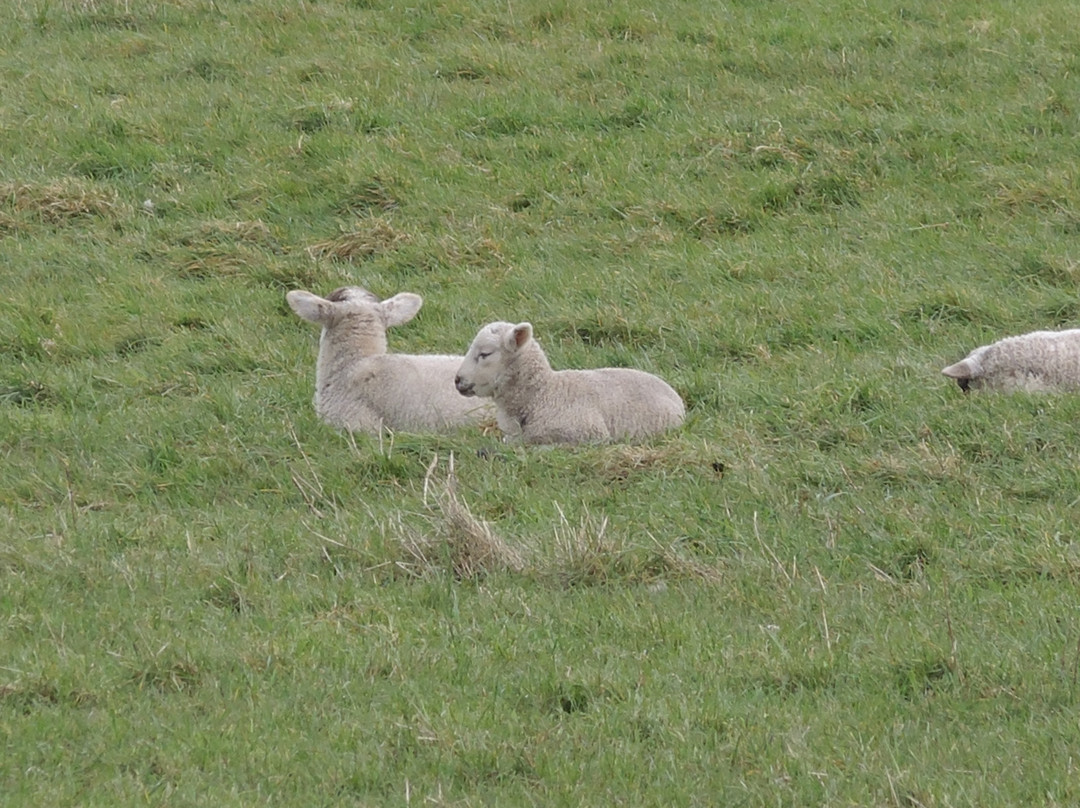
x,y
536,404
1037,362
360,387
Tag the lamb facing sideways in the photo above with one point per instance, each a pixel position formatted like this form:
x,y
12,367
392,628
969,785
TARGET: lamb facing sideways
x,y
360,387
536,404
1041,361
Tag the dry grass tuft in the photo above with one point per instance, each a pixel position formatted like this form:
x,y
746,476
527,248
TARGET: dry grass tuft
x,y
59,202
218,248
212,261
368,196
1052,195
375,237
583,553
666,563
619,462
586,556
8,223
475,253
489,427
248,232
459,541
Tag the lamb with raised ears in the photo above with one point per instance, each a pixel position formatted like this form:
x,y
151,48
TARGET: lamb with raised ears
x,y
361,387
536,404
1042,361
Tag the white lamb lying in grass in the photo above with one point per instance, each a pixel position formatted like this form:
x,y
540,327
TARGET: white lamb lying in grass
x,y
1037,362
360,387
539,405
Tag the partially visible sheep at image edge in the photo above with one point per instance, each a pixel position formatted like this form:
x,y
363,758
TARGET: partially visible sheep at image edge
x,y
1042,361
536,404
361,387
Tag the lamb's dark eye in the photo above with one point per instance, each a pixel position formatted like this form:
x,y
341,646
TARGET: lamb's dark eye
x,y
483,354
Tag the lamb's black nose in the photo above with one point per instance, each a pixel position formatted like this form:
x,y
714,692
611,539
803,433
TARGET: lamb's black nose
x,y
462,387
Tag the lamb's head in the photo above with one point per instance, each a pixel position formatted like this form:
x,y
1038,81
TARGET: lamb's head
x,y
489,356
968,372
354,316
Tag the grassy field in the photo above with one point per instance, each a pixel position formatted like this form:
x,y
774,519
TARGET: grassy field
x,y
842,582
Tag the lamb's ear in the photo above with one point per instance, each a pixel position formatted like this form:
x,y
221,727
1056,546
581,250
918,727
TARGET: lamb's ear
x,y
400,308
310,307
964,369
519,335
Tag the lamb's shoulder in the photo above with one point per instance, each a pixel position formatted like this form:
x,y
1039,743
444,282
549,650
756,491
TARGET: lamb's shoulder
x,y
510,425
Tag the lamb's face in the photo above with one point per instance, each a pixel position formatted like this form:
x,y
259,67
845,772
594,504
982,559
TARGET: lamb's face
x,y
968,372
479,372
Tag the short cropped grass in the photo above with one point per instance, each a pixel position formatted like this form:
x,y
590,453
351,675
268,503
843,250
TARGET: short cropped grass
x,y
842,582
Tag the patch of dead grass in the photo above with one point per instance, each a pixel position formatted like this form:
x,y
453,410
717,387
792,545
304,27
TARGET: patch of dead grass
x,y
475,253
459,541
253,232
1050,196
59,202
220,248
372,237
585,555
619,462
214,262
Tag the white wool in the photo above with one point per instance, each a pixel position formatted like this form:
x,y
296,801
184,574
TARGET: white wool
x,y
1039,361
361,387
539,405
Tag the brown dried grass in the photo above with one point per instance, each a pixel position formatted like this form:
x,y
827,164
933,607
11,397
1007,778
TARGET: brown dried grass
x,y
215,262
254,232
586,556
59,202
375,236
619,462
459,542
475,253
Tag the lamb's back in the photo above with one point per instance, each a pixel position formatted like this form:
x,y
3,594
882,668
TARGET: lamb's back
x,y
402,391
605,404
1039,361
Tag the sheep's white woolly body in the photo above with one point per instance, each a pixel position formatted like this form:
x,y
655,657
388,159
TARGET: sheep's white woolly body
x,y
359,386
539,405
1041,361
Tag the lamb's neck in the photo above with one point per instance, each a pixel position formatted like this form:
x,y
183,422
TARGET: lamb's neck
x,y
522,384
339,350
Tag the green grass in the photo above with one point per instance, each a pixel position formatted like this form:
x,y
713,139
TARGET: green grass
x,y
841,583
